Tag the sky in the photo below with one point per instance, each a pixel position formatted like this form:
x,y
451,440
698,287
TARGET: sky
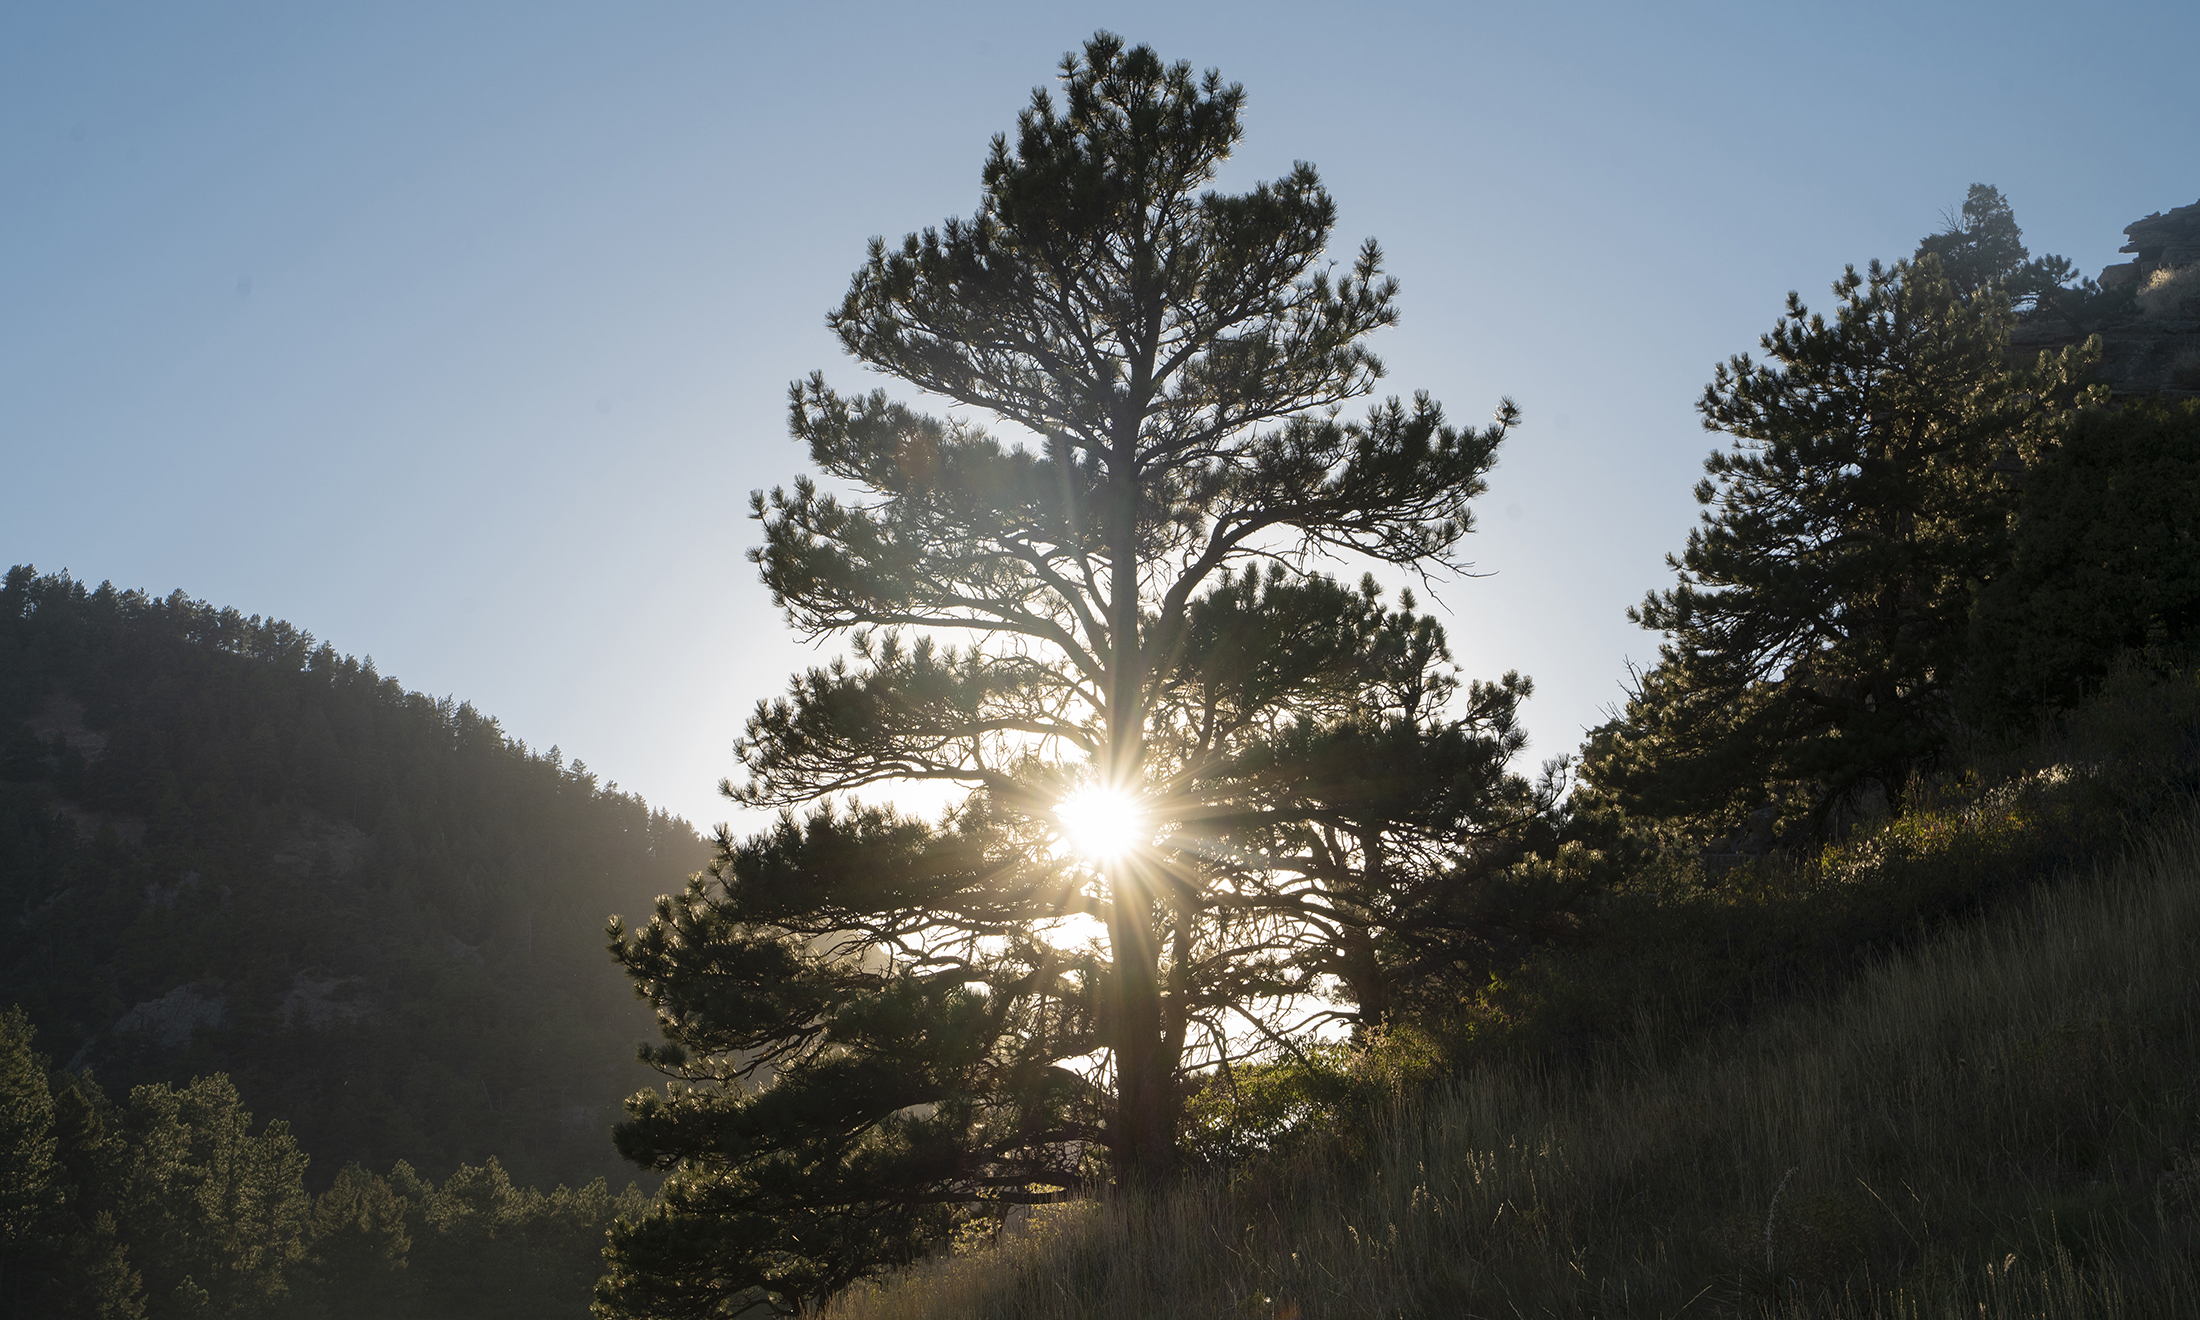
x,y
458,335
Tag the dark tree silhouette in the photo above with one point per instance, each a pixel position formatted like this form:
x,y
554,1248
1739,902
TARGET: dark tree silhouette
x,y
877,1026
1817,631
2105,559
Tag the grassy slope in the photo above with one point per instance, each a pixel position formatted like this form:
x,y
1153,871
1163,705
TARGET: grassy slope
x,y
2006,1116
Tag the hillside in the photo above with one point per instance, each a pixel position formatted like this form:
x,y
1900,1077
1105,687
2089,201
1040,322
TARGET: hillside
x,y
228,848
1988,1114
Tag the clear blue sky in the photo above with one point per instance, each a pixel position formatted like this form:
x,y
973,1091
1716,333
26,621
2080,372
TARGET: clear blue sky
x,y
458,334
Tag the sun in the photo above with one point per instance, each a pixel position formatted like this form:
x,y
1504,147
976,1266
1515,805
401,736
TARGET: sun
x,y
1102,824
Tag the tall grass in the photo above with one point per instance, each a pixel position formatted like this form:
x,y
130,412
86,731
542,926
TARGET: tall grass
x,y
2000,1121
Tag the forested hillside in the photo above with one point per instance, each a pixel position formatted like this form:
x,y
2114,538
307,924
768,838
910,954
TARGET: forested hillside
x,y
225,847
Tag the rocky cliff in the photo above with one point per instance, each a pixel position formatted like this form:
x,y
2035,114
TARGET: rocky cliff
x,y
2149,320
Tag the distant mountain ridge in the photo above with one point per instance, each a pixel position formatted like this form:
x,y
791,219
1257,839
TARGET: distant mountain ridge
x,y
226,847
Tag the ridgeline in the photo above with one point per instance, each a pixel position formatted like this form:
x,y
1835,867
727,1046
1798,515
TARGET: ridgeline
x,y
224,847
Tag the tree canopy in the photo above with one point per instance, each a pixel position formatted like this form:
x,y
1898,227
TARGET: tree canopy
x,y
1820,623
1099,584
168,1204
1981,250
2104,558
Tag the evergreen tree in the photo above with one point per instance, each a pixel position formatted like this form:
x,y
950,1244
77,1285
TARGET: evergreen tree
x,y
168,1205
212,1213
31,1191
1983,248
1818,626
2105,558
878,1026
60,1254
1982,251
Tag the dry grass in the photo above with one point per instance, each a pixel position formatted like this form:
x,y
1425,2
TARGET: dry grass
x,y
2168,291
2003,1122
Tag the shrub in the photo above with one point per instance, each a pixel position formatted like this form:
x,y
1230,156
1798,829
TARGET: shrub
x,y
2171,291
2184,370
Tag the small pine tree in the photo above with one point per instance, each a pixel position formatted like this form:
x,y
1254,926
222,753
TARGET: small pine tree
x,y
1982,251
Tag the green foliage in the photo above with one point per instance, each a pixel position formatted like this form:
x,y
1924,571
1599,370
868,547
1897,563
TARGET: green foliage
x,y
234,850
1823,607
879,1028
1670,936
2105,559
1989,1113
1909,532
168,1205
1312,1098
171,1205
359,1232
1984,248
28,1189
58,1255
1983,251
475,1247
212,1215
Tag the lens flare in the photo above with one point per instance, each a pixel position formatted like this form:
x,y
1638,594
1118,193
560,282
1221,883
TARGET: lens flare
x,y
1102,824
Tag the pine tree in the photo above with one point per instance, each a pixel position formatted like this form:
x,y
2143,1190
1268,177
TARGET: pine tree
x,y
1818,627
1983,248
59,1252
1982,251
2104,559
879,1026
212,1213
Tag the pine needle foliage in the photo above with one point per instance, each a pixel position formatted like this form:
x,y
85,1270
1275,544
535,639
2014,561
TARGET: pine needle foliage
x,y
2104,559
1102,576
1994,1119
1819,622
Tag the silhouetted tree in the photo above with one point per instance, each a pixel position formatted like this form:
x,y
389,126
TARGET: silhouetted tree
x,y
1983,248
1819,621
2105,558
1982,251
878,1026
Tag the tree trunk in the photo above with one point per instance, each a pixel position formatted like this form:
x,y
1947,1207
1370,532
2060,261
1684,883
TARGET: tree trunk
x,y
1362,974
1145,1145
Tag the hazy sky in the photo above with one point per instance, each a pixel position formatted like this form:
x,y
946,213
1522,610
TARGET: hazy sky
x,y
459,334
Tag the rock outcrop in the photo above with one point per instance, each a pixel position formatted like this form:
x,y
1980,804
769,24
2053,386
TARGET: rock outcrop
x,y
2165,240
170,1019
2150,336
